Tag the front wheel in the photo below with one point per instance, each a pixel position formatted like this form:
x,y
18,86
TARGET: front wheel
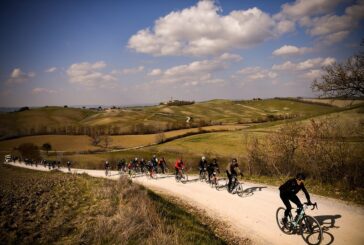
x,y
311,230
184,178
284,226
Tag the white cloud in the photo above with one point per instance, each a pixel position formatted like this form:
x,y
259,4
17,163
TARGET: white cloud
x,y
319,20
18,76
202,30
290,50
195,73
313,74
155,72
304,65
52,69
257,73
43,91
89,74
302,8
133,70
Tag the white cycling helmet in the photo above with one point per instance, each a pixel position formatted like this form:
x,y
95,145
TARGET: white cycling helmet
x,y
203,158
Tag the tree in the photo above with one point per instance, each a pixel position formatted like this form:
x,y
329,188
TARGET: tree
x,y
46,147
29,150
342,79
95,137
106,140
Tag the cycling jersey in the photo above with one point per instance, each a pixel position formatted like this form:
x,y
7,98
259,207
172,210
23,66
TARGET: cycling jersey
x,y
179,164
203,164
233,168
291,187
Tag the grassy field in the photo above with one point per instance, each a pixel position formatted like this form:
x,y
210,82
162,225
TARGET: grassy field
x,y
79,143
56,208
336,102
154,118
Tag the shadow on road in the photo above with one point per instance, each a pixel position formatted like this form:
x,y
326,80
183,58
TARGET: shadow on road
x,y
327,222
250,191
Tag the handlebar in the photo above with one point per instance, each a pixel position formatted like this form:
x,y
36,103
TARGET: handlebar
x,y
314,205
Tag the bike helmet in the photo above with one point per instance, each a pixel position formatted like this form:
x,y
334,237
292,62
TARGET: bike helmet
x,y
203,158
301,176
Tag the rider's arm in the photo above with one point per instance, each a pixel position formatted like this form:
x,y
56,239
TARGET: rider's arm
x,y
306,193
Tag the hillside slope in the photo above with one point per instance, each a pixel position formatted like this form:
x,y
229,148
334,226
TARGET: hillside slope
x,y
59,120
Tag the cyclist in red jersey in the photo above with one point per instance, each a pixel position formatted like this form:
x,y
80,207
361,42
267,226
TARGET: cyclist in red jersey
x,y
179,165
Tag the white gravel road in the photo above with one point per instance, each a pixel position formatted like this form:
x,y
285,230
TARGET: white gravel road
x,y
253,216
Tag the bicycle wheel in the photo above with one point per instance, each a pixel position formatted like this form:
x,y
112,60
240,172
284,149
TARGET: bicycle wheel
x,y
219,186
184,178
285,228
240,190
311,230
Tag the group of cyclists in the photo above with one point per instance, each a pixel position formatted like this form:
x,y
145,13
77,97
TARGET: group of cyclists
x,y
136,165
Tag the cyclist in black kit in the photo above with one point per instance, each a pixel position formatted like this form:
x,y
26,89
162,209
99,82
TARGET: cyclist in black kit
x,y
202,165
288,193
213,168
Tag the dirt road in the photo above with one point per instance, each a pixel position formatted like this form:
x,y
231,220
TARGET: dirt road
x,y
253,216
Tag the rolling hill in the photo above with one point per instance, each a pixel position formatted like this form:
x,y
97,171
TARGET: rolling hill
x,y
152,119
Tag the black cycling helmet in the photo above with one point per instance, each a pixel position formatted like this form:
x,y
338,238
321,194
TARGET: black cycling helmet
x,y
301,176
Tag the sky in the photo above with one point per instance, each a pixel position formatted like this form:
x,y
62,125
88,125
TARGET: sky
x,y
143,52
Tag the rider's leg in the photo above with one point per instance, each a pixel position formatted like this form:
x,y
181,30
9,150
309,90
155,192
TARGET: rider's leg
x,y
296,201
230,180
285,200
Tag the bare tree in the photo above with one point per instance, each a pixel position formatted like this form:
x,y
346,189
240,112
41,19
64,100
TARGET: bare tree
x,y
342,79
106,140
95,137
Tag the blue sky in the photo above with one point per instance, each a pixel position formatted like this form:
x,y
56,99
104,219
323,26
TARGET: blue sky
x,y
138,52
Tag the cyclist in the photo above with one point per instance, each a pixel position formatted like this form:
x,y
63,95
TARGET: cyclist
x,y
288,192
162,164
232,171
107,167
213,168
150,167
202,165
69,165
135,164
142,165
179,165
154,160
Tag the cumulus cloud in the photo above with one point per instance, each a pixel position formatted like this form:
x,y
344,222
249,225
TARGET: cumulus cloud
x,y
303,8
132,70
43,91
195,73
317,17
18,76
90,74
290,50
50,70
155,72
202,30
313,74
304,65
257,73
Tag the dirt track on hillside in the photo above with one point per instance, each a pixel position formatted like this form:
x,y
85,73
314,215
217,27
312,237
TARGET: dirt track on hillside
x,y
253,216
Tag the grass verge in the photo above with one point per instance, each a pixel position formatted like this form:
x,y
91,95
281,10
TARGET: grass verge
x,y
57,208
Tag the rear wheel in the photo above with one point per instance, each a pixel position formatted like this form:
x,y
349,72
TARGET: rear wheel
x,y
283,226
311,230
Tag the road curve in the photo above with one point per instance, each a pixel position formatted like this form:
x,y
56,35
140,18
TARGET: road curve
x,y
253,216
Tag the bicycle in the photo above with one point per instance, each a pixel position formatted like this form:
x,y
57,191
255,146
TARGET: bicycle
x,y
107,171
203,175
306,225
238,187
213,179
182,176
